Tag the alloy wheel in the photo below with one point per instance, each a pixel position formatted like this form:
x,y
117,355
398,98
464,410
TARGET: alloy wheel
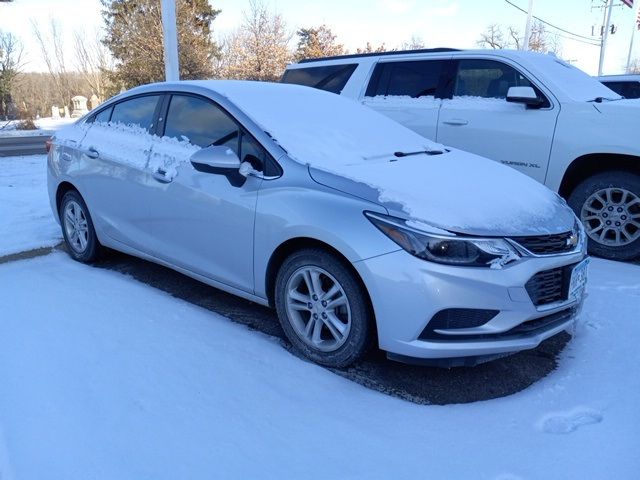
x,y
76,226
318,308
611,216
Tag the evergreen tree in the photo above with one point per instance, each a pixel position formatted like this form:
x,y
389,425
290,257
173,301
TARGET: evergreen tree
x,y
317,42
134,37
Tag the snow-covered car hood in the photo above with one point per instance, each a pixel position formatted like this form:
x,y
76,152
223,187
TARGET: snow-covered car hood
x,y
456,191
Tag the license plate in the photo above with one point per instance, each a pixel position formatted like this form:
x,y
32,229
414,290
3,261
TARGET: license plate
x,y
578,279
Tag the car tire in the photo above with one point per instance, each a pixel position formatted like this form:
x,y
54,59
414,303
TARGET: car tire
x,y
335,327
77,228
608,204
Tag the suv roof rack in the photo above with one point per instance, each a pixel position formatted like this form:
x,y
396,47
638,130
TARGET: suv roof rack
x,y
376,54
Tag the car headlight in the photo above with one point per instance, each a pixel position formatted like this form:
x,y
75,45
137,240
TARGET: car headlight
x,y
461,251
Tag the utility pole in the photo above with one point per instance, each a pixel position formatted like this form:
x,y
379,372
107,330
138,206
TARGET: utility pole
x,y
634,26
527,30
605,35
170,31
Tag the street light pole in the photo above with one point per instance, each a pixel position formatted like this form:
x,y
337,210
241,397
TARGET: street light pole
x,y
605,36
170,34
634,27
527,30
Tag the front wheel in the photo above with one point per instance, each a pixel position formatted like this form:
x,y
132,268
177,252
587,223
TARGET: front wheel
x,y
77,228
322,308
608,204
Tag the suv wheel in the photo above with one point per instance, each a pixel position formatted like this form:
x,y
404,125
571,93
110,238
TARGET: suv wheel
x,y
77,228
322,308
608,204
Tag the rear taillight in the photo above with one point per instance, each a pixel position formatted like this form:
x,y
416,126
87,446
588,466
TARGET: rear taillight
x,y
47,145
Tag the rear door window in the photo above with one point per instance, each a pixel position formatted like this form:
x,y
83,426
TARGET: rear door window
x,y
331,78
138,111
419,78
200,122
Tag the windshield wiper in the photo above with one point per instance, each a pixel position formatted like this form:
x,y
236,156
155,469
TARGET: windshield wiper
x,y
426,152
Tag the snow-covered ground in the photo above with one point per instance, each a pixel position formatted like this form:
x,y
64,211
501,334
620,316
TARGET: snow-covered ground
x,y
46,126
104,377
26,221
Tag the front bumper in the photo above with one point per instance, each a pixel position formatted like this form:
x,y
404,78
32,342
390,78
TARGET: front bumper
x,y
407,292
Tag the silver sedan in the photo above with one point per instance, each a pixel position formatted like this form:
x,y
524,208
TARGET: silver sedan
x,y
357,230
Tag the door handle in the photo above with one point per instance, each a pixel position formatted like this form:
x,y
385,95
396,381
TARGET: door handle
x,y
92,153
161,176
456,121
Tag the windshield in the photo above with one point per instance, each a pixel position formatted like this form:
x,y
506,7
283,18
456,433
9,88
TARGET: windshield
x,y
574,83
319,128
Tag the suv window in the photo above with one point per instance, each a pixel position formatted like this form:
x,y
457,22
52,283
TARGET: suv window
x,y
626,89
138,111
415,79
331,78
201,122
487,79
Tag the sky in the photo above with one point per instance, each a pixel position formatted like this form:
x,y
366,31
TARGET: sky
x,y
439,23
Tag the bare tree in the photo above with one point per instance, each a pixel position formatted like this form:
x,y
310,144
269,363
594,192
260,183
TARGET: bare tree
x,y
92,61
493,37
258,49
415,43
368,48
541,39
10,66
52,49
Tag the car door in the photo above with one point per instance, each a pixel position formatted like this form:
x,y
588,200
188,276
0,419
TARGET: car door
x,y
203,222
479,119
117,146
408,91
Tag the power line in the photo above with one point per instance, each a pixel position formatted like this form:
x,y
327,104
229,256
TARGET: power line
x,y
578,40
552,25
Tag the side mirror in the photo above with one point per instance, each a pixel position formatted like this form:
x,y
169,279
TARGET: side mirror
x,y
525,95
221,160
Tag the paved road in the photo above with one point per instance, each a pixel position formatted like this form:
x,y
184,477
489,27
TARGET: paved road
x,y
422,385
21,145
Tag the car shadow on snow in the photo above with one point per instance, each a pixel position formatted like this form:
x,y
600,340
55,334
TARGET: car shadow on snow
x,y
418,384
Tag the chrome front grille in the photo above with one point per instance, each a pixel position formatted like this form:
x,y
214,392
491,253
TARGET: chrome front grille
x,y
549,244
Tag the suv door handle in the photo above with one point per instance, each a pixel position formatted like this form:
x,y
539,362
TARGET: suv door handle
x,y
92,153
456,121
161,176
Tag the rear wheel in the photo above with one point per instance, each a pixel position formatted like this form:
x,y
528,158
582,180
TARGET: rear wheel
x,y
322,308
608,204
77,228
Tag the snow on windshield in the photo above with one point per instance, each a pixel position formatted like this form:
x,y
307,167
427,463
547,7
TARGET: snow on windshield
x,y
454,190
575,83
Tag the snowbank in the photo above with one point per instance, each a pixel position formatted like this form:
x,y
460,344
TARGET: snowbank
x,y
46,127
